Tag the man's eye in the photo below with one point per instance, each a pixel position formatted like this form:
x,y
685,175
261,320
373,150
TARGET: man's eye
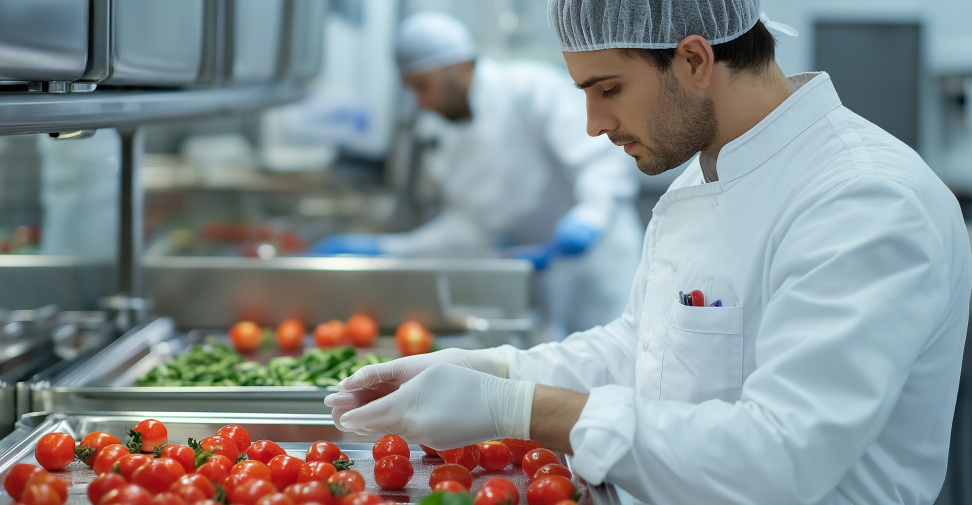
x,y
608,93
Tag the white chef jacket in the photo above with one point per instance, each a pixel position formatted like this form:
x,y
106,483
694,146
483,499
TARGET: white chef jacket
x,y
829,375
523,162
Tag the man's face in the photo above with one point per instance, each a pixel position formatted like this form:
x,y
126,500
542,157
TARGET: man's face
x,y
440,90
644,109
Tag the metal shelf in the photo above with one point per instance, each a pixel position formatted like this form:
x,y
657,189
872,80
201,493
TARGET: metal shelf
x,y
22,113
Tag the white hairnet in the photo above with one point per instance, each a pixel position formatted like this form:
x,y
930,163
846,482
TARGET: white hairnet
x,y
430,40
589,25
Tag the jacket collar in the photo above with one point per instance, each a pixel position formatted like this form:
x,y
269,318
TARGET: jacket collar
x,y
814,98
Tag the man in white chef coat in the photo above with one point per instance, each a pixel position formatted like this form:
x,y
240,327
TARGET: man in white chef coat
x,y
827,373
516,168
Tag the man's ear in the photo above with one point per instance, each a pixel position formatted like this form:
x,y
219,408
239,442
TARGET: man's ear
x,y
694,61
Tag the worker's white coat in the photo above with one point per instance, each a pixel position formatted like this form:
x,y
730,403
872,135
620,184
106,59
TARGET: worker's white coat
x,y
830,373
523,162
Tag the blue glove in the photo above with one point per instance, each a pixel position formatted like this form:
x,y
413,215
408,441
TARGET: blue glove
x,y
572,237
359,244
540,255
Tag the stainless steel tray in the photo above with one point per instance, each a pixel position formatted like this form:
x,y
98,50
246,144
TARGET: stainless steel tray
x,y
294,433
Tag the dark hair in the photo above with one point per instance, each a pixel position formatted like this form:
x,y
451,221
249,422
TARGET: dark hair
x,y
753,50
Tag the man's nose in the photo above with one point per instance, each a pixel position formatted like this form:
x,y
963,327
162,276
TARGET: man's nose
x,y
599,120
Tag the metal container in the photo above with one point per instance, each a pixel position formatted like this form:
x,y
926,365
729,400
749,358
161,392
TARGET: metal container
x,y
254,34
43,40
302,48
25,348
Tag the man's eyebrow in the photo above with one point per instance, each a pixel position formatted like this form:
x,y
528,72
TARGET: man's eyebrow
x,y
594,80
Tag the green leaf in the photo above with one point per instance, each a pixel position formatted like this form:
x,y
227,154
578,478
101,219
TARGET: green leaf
x,y
135,442
340,464
442,498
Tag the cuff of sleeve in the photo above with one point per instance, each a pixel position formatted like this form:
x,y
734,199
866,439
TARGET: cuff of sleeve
x,y
510,355
493,362
604,433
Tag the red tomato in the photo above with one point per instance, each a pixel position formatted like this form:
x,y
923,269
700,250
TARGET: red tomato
x,y
429,451
263,451
191,494
275,499
168,498
104,484
450,471
129,494
467,456
284,470
533,460
237,434
245,336
157,475
412,338
353,479
217,444
549,490
361,330
54,451
290,334
449,486
41,494
198,481
552,469
232,482
323,451
329,334
362,498
93,442
343,457
153,433
493,455
566,502
216,469
209,502
519,447
128,463
316,470
16,480
509,486
493,495
388,445
58,485
250,491
309,492
181,453
393,472
107,457
252,470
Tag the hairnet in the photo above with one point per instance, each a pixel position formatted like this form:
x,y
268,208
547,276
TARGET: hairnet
x,y
430,40
589,25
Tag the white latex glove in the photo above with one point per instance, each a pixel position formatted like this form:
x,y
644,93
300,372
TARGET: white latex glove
x,y
444,407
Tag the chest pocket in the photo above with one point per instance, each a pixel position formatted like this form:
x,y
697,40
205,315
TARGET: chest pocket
x,y
703,355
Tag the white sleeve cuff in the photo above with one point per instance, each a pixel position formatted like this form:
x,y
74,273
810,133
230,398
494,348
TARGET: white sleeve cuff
x,y
604,433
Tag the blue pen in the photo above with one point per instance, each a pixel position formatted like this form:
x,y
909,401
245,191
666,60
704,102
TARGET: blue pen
x,y
717,303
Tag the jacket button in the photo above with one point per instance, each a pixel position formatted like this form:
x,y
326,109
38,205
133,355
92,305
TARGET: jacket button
x,y
674,268
645,347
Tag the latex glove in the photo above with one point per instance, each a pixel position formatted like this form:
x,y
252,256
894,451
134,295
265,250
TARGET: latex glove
x,y
360,244
573,237
540,255
376,381
444,407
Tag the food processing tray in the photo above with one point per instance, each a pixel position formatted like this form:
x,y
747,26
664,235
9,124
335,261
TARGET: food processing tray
x,y
294,433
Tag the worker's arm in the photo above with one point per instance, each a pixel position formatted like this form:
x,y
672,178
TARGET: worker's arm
x,y
450,233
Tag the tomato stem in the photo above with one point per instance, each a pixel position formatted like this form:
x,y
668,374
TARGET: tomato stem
x,y
84,453
340,464
135,442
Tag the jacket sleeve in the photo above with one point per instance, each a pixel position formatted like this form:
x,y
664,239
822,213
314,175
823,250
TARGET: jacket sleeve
x,y
450,233
855,290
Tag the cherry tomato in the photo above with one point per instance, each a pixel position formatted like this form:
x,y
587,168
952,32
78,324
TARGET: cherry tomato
x,y
284,470
393,472
129,494
104,484
217,444
232,482
263,451
412,338
493,495
275,499
158,474
107,457
509,486
191,494
93,442
41,494
315,470
361,330
566,502
237,434
552,469
309,492
429,451
549,490
16,480
450,471
519,447
54,451
153,434
250,491
208,502
467,456
290,334
168,498
533,460
493,455
329,334
252,470
58,485
128,463
323,451
353,479
362,498
388,445
343,457
198,481
449,486
216,469
245,336
181,453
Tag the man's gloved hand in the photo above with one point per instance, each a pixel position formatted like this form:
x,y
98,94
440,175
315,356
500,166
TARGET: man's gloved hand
x,y
444,407
572,236
360,244
540,255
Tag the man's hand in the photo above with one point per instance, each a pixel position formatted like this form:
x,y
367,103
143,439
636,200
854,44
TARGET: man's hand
x,y
443,407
